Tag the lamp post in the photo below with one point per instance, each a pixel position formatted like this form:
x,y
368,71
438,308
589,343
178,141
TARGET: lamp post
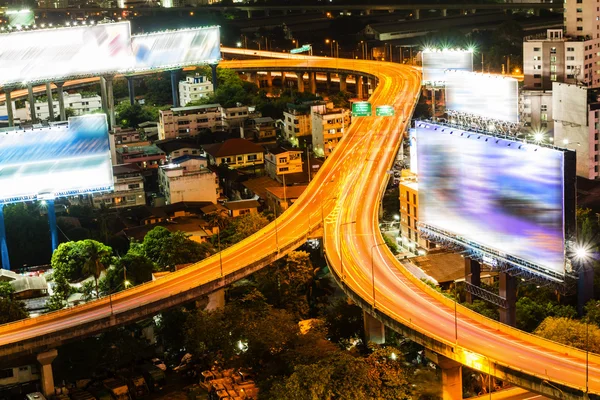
x,y
373,270
340,247
330,43
110,293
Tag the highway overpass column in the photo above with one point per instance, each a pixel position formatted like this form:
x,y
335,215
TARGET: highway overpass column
x,y
31,101
451,375
47,378
585,287
52,223
269,79
367,12
50,102
175,87
359,86
312,76
9,108
472,275
3,246
328,81
110,101
249,14
508,291
131,89
61,100
444,12
417,14
215,81
216,300
300,75
374,329
343,85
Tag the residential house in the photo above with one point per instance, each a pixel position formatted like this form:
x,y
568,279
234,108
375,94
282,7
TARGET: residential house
x,y
129,188
236,153
242,207
187,178
189,121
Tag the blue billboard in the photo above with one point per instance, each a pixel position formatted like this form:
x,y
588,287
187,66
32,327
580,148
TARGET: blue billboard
x,y
56,161
501,196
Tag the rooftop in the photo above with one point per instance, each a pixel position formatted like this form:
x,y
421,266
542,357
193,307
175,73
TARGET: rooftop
x,y
171,145
242,204
192,108
29,283
123,169
443,267
263,120
259,186
187,157
291,192
233,147
151,149
278,150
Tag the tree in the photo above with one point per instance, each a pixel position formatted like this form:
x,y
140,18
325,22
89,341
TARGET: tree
x,y
69,258
242,227
130,116
530,312
570,332
69,112
592,312
6,290
168,249
27,234
344,322
96,255
12,310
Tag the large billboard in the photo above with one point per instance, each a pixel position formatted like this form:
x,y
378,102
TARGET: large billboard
x,y
435,62
57,54
510,200
56,161
488,96
177,48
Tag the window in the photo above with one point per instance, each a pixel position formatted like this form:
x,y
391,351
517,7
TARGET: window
x,y
284,169
570,76
134,186
415,212
570,58
544,107
6,373
252,157
537,76
537,58
537,49
570,48
553,59
283,159
552,50
580,28
553,68
414,199
579,10
553,77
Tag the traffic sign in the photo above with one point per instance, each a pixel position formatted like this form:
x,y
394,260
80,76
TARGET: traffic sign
x,y
362,109
302,49
384,111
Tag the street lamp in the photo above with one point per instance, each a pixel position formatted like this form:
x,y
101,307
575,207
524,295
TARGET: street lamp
x,y
110,293
330,43
373,270
239,44
340,247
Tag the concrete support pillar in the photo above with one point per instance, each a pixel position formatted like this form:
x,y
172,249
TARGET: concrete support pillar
x,y
473,10
52,223
472,275
367,12
175,87
372,83
103,96
131,89
328,81
283,79
61,100
300,75
216,300
585,287
359,86
50,102
508,290
31,101
312,76
47,378
110,100
3,246
343,85
536,12
9,108
374,329
417,14
249,14
444,12
215,81
451,375
269,79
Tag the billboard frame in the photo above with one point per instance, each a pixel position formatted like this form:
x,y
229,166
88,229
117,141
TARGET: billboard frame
x,y
506,262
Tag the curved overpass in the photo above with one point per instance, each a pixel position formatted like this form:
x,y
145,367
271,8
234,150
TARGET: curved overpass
x,y
344,195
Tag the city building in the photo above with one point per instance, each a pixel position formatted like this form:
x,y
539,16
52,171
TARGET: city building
x,y
29,287
297,120
129,188
194,88
262,128
189,121
280,162
328,127
242,207
146,157
235,117
80,104
180,147
237,153
53,3
280,198
409,215
187,178
576,112
536,112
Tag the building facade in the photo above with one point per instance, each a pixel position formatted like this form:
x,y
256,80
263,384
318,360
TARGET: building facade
x,y
235,117
189,121
76,102
328,127
297,120
409,215
146,157
536,112
187,178
194,88
129,188
236,153
280,161
262,128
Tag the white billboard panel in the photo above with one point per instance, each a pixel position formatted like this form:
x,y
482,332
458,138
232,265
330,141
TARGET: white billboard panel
x,y
488,96
569,103
435,62
177,49
64,53
56,161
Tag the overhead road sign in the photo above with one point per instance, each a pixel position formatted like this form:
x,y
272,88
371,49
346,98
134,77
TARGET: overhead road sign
x,y
306,47
362,109
384,111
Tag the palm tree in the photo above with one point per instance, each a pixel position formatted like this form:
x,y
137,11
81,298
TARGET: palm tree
x,y
95,253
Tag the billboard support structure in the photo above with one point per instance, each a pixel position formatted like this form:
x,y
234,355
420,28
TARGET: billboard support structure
x,y
3,246
213,68
174,86
131,89
52,223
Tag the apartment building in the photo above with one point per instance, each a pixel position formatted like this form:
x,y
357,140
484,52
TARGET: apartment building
x,y
280,161
77,102
129,188
328,127
189,121
187,178
194,88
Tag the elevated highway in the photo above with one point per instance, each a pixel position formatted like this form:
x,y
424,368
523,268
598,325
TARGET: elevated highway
x,y
344,199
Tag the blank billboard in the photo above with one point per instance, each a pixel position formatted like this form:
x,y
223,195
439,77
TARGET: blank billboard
x,y
64,53
498,194
177,49
56,161
435,62
488,96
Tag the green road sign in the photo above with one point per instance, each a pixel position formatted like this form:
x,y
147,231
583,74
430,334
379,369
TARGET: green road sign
x,y
362,109
302,49
384,111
